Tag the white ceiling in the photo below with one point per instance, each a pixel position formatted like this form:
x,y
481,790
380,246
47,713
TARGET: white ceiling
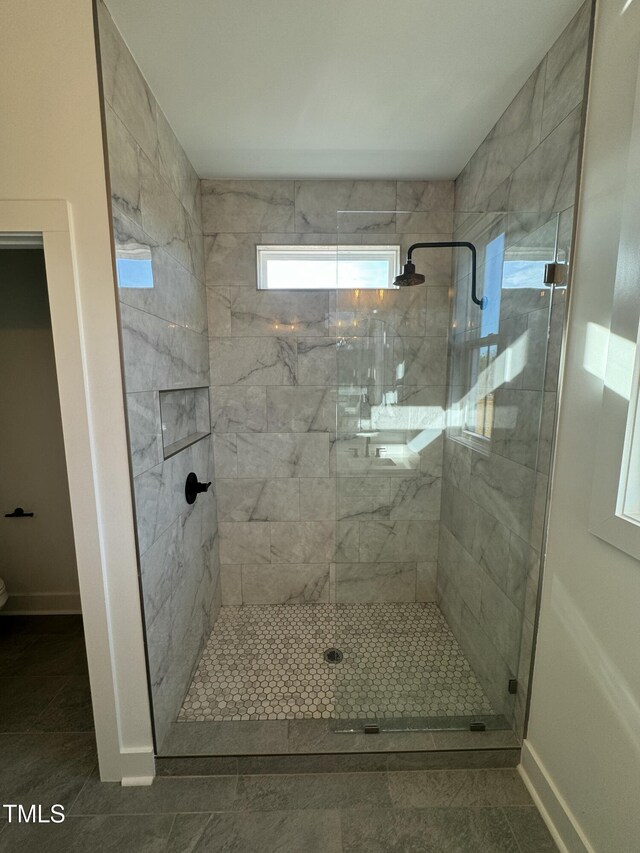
x,y
336,88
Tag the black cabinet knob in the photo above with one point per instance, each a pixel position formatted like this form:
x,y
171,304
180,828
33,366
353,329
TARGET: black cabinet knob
x,y
193,488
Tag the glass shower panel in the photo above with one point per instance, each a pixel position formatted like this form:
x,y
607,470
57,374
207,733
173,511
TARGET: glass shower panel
x,y
438,417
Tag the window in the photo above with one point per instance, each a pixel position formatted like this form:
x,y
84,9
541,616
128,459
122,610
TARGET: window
x,y
327,267
478,421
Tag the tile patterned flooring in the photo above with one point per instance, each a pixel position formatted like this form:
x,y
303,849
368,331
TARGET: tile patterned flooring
x,y
50,757
266,663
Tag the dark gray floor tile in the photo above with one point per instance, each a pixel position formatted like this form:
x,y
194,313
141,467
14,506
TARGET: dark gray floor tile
x,y
530,830
420,789
186,832
197,765
11,647
375,762
33,625
498,739
24,698
206,794
256,737
70,710
492,788
50,654
44,768
102,834
313,791
453,759
266,832
433,830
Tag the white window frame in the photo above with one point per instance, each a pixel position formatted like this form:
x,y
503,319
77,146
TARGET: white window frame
x,y
615,496
265,253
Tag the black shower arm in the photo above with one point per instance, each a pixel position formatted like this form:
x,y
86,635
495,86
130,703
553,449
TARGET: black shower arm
x,y
456,244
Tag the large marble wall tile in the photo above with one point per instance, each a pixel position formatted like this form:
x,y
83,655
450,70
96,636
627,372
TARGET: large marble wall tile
x,y
259,361
504,489
230,259
347,541
244,542
225,455
425,196
159,492
367,583
513,137
375,312
302,541
457,565
438,310
546,180
160,354
258,500
124,167
231,585
218,311
502,620
301,409
317,499
414,498
420,361
163,217
566,64
157,571
426,581
175,168
385,541
286,584
262,312
145,431
431,224
175,294
457,464
516,425
283,455
238,408
124,86
317,204
247,206
317,361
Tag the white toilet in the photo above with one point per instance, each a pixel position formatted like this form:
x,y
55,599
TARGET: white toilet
x,y
3,594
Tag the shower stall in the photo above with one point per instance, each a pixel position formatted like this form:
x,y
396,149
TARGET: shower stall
x,y
359,571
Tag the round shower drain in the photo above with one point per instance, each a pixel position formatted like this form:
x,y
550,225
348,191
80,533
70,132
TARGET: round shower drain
x,y
333,655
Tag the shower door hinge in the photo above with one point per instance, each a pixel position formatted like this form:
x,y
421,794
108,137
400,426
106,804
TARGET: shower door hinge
x,y
554,273
513,685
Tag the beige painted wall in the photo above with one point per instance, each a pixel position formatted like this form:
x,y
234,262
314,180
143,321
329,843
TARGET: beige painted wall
x,y
52,148
583,745
37,556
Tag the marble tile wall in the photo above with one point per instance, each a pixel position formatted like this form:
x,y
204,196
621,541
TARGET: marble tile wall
x,y
163,311
306,510
520,183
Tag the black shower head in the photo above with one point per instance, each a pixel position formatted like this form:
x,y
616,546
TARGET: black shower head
x,y
409,276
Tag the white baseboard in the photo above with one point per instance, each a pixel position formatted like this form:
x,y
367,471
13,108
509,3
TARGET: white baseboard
x,y
555,811
43,604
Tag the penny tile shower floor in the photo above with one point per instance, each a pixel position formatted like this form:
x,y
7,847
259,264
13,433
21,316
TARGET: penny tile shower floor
x,y
267,663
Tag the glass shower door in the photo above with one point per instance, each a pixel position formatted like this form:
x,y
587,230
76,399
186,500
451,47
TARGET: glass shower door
x,y
436,458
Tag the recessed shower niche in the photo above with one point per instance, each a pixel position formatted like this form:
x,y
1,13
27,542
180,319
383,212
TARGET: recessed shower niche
x,y
185,418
